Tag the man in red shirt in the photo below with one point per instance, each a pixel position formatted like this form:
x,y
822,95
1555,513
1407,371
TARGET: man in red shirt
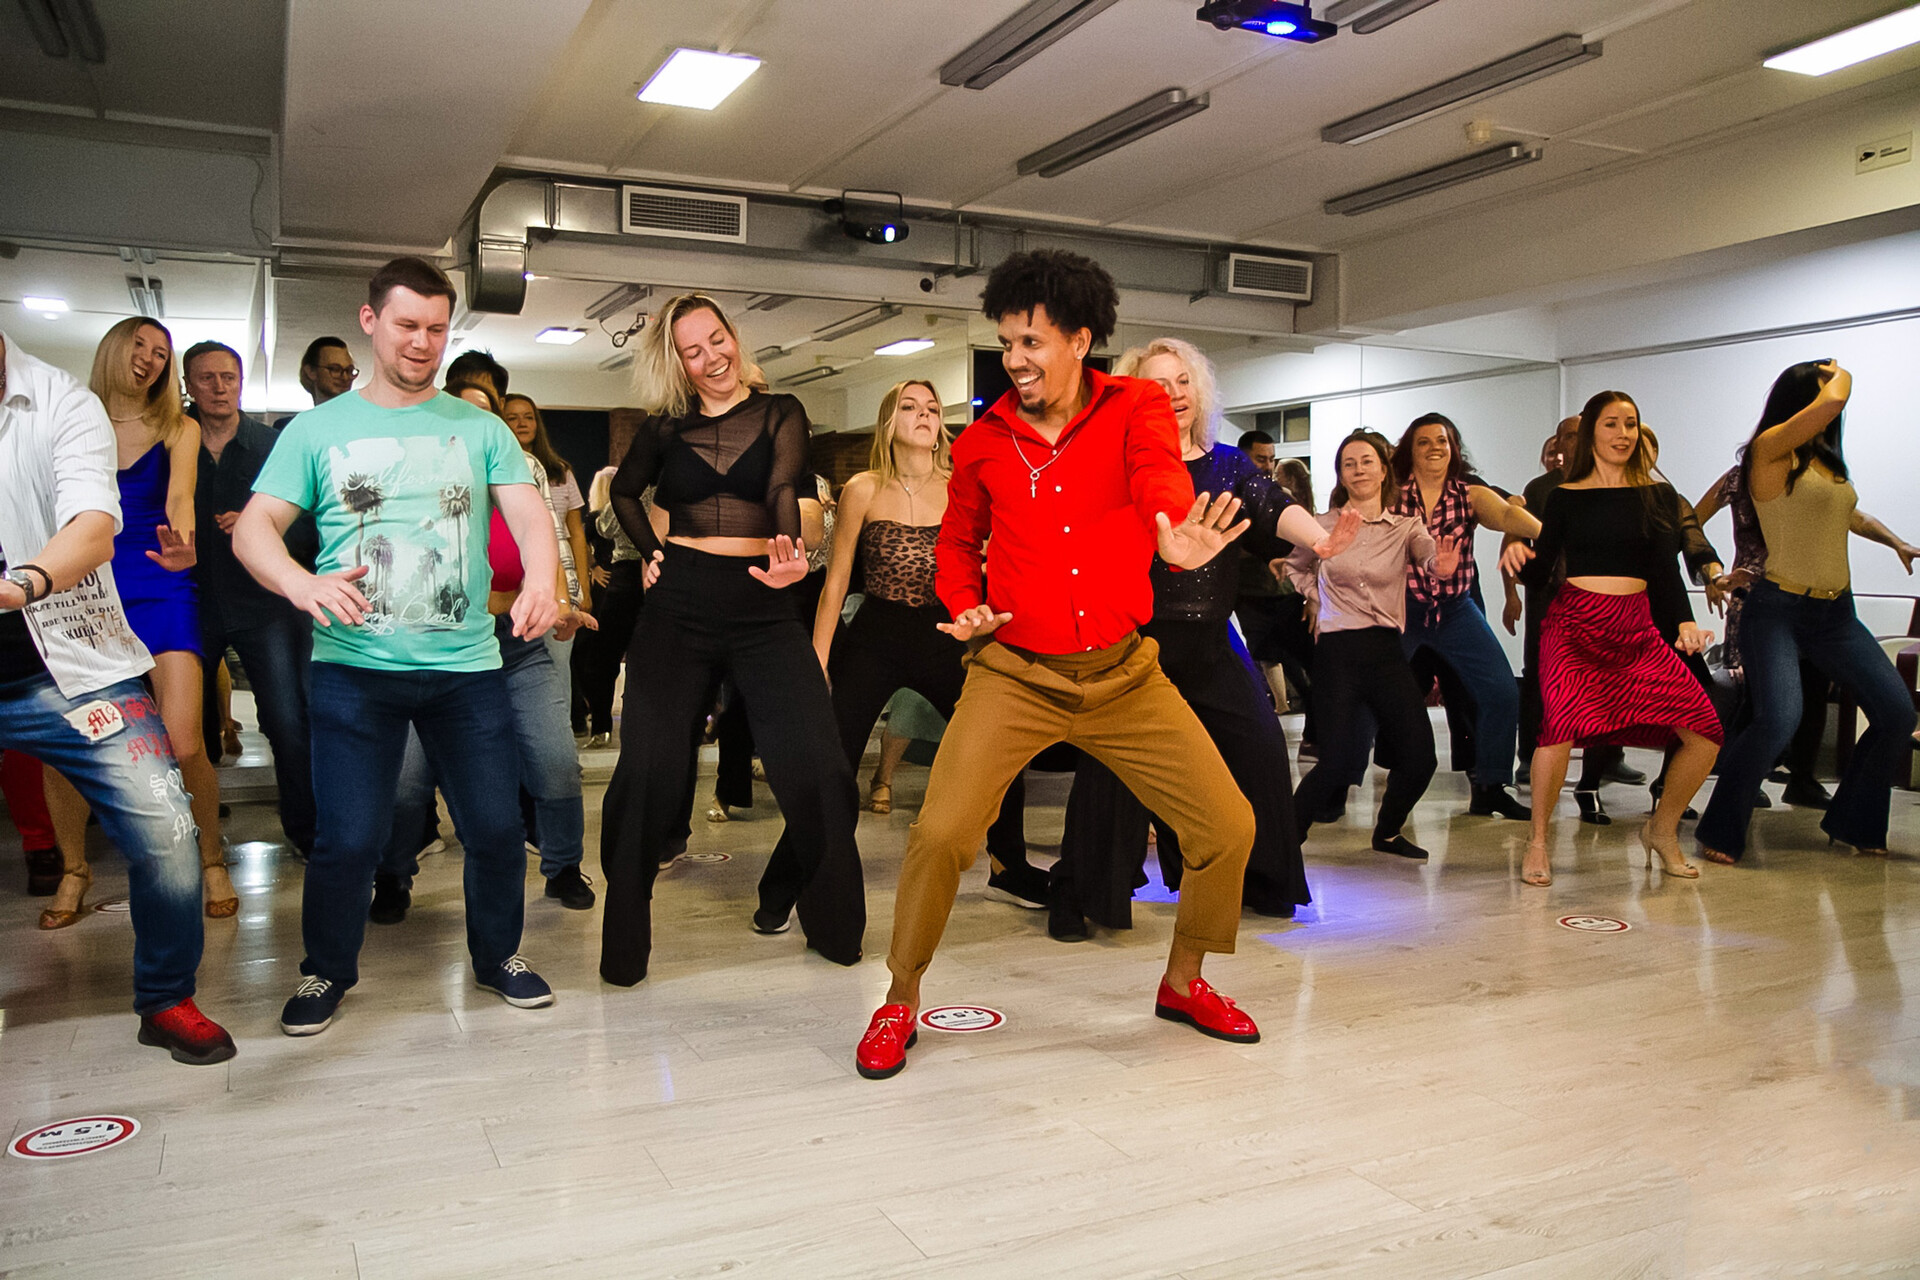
x,y
1071,482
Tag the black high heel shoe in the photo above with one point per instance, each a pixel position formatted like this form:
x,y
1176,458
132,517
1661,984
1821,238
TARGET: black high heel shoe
x,y
1592,811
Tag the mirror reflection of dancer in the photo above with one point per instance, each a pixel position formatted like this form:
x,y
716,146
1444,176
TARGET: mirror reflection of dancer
x,y
728,460
1796,477
1357,598
1063,484
1106,827
1606,674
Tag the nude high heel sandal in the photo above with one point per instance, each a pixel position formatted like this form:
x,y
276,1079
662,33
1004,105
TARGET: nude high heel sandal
x,y
1542,877
56,918
219,908
1674,863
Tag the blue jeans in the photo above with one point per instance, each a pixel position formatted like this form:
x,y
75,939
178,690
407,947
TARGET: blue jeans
x,y
132,783
275,657
360,719
1777,630
1467,643
549,765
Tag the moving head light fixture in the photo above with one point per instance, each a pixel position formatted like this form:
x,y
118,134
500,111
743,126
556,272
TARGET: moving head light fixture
x,y
878,217
1268,18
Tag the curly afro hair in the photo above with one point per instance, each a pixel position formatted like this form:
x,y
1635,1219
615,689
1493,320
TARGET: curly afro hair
x,y
1077,292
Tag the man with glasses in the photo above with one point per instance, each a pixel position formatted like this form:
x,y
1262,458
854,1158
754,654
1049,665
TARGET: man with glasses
x,y
326,370
274,640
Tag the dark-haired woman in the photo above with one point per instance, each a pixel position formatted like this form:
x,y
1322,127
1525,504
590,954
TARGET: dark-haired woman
x,y
1106,826
1444,613
1796,475
565,501
1358,600
1606,673
728,461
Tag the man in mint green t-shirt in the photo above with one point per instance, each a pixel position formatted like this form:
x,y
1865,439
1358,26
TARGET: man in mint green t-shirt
x,y
402,480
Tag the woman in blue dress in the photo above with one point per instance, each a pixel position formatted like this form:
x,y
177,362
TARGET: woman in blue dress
x,y
134,374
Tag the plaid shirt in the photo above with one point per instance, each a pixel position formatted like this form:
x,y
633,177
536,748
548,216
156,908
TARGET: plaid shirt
x,y
1452,517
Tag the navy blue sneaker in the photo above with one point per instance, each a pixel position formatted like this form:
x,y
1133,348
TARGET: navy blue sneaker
x,y
518,985
310,1011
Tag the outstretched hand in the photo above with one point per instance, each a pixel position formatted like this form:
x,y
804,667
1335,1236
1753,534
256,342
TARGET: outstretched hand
x,y
1446,555
1514,558
980,620
572,622
176,553
1207,529
1692,639
1346,527
786,562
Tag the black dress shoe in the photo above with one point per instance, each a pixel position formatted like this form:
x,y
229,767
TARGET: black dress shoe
x,y
1806,794
573,889
1399,846
43,872
1064,921
1761,800
1592,811
1624,774
1495,802
390,900
765,921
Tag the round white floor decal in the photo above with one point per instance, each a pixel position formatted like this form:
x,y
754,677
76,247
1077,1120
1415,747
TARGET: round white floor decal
x,y
1594,924
78,1137
702,859
961,1017
120,905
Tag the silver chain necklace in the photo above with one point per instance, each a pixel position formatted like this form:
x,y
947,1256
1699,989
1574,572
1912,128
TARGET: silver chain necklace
x,y
1033,472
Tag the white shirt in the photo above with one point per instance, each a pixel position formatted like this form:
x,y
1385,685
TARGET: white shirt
x,y
56,461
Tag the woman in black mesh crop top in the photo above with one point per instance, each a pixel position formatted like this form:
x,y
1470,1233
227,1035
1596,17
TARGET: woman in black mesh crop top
x,y
1106,828
725,459
1606,673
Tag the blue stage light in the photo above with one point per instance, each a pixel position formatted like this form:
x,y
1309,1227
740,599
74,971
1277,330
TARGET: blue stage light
x,y
1279,18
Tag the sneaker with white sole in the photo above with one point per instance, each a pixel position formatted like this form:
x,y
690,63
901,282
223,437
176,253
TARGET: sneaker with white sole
x,y
310,1011
516,983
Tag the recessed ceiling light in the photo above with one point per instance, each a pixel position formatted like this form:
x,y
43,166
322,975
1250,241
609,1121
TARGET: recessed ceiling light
x,y
1856,44
697,78
560,337
44,305
904,347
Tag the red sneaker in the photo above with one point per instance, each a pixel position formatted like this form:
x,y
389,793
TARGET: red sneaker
x,y
883,1050
191,1036
1206,1011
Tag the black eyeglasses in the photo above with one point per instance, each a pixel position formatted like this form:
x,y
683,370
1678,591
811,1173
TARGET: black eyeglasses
x,y
349,370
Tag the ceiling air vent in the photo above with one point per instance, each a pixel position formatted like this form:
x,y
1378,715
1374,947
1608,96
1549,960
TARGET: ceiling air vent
x,y
1288,278
655,211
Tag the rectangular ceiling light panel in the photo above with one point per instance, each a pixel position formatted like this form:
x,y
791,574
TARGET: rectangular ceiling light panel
x,y
1852,46
1117,130
1026,33
1508,73
1479,165
698,78
904,347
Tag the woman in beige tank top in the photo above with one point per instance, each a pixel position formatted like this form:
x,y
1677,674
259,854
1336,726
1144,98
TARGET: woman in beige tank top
x,y
1796,476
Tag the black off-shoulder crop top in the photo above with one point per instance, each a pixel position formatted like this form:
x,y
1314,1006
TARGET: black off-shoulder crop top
x,y
734,475
1630,532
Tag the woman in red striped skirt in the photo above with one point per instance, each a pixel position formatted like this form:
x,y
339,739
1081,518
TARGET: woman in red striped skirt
x,y
1607,677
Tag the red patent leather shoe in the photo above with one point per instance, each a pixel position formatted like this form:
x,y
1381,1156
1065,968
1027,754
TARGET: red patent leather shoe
x,y
1206,1011
883,1050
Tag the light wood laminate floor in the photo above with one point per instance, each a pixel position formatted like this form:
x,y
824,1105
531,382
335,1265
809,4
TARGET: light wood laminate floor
x,y
1450,1084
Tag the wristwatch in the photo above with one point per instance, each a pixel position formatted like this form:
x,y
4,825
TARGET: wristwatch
x,y
29,586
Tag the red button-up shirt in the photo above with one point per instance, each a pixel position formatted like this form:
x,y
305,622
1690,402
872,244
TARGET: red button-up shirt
x,y
1070,547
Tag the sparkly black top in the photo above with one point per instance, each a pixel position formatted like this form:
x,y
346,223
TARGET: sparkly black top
x,y
733,475
1207,594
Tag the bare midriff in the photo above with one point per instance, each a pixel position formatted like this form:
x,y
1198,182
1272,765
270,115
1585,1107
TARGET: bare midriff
x,y
1610,586
746,547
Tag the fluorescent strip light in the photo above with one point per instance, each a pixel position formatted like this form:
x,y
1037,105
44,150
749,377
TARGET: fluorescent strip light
x,y
1122,127
1856,44
697,78
904,347
1020,37
560,337
1479,165
1388,14
811,375
855,323
44,304
1529,64
620,298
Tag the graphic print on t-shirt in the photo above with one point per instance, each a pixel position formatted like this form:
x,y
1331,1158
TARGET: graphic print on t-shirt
x,y
412,499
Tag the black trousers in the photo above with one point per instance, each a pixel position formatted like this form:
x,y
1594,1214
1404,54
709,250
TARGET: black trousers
x,y
597,654
887,647
1106,825
1352,670
705,619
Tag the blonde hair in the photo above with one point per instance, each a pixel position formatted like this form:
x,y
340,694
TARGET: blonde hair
x,y
600,491
660,381
113,376
1205,392
880,460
